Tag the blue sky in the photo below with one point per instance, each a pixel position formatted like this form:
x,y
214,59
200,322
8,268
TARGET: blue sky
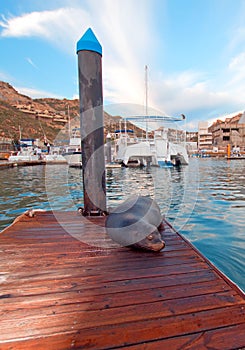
x,y
194,49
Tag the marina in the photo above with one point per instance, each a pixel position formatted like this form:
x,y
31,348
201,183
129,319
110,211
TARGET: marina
x,y
79,270
110,297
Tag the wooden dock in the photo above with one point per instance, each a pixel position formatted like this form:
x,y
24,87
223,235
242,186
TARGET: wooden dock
x,y
7,164
60,293
235,158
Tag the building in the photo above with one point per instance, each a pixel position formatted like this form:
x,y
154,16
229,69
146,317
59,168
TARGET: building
x,y
204,137
229,131
191,142
191,136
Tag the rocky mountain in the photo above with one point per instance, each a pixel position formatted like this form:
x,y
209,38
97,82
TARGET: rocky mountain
x,y
43,118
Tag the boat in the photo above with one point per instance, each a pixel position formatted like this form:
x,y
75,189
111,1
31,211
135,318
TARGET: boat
x,y
6,149
54,156
156,151
169,148
72,152
162,146
131,151
27,152
112,165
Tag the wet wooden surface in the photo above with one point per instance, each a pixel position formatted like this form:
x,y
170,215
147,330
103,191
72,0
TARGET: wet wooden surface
x,y
58,292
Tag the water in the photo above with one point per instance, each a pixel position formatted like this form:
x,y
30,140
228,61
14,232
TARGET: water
x,y
204,201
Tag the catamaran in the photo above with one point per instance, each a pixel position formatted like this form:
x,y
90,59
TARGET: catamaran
x,y
161,146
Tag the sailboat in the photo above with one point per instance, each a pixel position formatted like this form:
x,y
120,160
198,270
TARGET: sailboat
x,y
26,152
165,148
72,152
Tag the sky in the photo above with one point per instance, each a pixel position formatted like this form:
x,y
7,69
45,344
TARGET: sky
x,y
194,50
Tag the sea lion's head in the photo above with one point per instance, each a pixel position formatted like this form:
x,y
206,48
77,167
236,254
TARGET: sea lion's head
x,y
134,223
152,242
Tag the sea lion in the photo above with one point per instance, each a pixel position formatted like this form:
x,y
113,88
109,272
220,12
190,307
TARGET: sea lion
x,y
135,222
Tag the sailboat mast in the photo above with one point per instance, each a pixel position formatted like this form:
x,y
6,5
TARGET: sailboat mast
x,y
20,133
146,99
69,121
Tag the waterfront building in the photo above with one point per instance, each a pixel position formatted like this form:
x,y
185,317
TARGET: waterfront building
x,y
228,132
191,136
204,136
191,147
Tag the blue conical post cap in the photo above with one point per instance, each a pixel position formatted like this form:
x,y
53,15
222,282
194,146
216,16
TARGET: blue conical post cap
x,y
89,42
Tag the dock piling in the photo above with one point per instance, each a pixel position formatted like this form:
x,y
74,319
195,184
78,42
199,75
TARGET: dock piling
x,y
108,148
89,53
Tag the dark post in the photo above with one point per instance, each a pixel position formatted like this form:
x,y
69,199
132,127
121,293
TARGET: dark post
x,y
108,148
89,53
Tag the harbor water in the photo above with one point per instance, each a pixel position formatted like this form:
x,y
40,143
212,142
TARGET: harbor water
x,y
204,201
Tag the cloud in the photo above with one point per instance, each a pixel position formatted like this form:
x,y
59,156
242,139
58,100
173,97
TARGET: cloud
x,y
191,126
4,77
31,62
122,30
33,93
238,37
75,97
128,36
238,62
60,26
130,39
187,91
236,71
234,85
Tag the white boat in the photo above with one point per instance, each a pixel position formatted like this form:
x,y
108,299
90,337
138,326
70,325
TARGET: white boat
x,y
131,151
162,146
169,148
72,152
156,151
25,154
55,156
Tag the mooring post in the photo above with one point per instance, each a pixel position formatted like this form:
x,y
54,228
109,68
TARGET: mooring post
x,y
228,150
89,53
108,148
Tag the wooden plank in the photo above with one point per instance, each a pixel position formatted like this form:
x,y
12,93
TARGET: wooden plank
x,y
130,333
110,305
218,339
77,283
198,341
94,267
97,300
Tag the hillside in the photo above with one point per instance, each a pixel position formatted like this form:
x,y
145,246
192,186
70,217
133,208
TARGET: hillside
x,y
42,118
38,118
14,122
